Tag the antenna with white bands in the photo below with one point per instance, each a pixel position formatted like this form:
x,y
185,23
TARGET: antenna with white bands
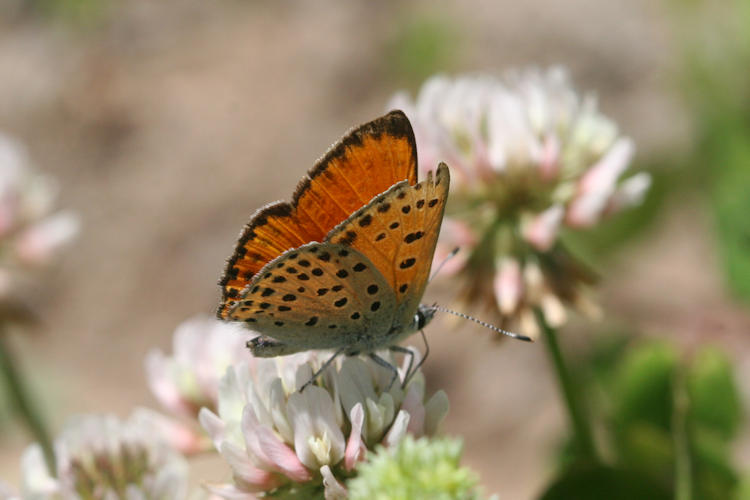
x,y
484,324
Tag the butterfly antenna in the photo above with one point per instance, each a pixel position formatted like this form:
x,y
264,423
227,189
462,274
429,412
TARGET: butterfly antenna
x,y
484,324
446,259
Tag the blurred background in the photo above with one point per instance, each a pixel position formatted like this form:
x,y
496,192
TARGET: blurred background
x,y
166,124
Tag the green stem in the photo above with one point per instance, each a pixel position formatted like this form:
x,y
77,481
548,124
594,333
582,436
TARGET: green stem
x,y
23,403
581,427
683,484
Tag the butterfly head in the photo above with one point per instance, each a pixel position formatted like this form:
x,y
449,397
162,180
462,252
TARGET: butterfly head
x,y
423,316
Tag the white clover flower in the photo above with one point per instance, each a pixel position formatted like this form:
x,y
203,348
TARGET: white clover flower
x,y
202,349
104,457
188,380
531,157
276,438
29,236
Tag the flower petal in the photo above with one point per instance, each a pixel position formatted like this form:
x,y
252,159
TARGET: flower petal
x,y
598,184
333,489
355,447
245,471
213,425
318,439
229,492
36,245
282,456
398,429
630,193
436,409
413,405
508,285
542,230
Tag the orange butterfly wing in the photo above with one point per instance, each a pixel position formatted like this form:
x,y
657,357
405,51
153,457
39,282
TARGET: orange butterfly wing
x,y
363,164
398,232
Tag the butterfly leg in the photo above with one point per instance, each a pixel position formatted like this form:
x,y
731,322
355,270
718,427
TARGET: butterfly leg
x,y
385,364
263,347
322,368
421,361
407,352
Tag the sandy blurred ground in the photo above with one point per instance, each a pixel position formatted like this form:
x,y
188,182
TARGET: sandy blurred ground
x,y
168,123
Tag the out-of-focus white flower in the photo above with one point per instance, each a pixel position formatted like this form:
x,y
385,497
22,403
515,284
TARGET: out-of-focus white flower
x,y
276,438
202,349
530,157
188,380
29,235
104,457
36,244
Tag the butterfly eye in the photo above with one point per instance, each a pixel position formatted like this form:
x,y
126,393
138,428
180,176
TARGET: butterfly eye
x,y
419,320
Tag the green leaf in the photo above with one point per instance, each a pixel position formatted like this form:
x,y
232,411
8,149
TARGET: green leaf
x,y
743,488
714,400
648,449
643,391
713,474
732,205
599,482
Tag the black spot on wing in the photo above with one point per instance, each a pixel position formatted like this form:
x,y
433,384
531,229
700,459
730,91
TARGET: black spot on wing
x,y
407,263
365,221
341,302
412,237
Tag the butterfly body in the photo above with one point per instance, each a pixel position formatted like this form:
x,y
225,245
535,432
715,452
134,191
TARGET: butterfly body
x,y
357,288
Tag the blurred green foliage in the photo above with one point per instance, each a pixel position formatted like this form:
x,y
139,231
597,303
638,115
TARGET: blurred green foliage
x,y
716,85
78,13
637,386
422,45
598,482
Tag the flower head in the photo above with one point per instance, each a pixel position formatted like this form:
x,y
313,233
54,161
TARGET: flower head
x,y
29,236
202,350
530,157
188,380
276,438
420,468
104,457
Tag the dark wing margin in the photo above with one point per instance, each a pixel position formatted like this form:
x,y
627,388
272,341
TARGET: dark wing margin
x,y
364,163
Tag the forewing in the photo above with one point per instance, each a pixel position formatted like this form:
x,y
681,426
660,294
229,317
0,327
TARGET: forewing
x,y
366,162
398,231
317,296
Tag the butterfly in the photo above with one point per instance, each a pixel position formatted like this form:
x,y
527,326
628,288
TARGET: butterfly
x,y
344,265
